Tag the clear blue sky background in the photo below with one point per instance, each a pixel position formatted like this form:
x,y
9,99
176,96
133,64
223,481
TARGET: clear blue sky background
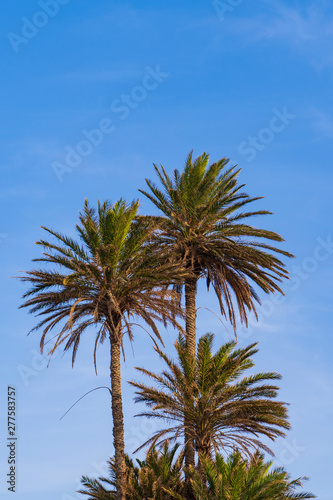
x,y
226,75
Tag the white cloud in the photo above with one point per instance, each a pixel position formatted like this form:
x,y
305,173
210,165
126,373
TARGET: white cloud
x,y
305,28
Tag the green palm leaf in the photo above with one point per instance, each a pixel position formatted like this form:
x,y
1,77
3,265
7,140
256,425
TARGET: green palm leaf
x,y
239,479
211,400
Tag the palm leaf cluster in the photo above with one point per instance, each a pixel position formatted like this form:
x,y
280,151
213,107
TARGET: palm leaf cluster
x,y
205,225
222,409
104,280
240,479
160,476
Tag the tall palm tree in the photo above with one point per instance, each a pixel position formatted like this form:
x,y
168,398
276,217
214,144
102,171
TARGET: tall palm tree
x,y
239,479
203,226
223,408
104,280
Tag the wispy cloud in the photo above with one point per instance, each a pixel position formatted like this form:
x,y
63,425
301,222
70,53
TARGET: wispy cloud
x,y
306,28
291,23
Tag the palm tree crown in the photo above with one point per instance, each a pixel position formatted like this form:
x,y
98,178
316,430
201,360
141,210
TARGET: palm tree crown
x,y
159,477
204,226
238,479
112,277
222,408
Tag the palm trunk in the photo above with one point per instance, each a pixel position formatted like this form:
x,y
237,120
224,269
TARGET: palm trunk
x,y
202,453
191,316
118,418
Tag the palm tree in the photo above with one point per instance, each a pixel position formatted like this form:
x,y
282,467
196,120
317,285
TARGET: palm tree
x,y
113,274
223,408
158,477
202,227
239,479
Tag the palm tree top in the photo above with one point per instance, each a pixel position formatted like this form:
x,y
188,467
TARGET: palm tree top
x,y
235,478
204,223
160,476
113,273
153,477
223,407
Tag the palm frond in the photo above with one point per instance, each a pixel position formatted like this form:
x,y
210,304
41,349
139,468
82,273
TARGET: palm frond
x,y
212,400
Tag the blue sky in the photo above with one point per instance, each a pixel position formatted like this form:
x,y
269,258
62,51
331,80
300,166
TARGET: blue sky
x,y
252,82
